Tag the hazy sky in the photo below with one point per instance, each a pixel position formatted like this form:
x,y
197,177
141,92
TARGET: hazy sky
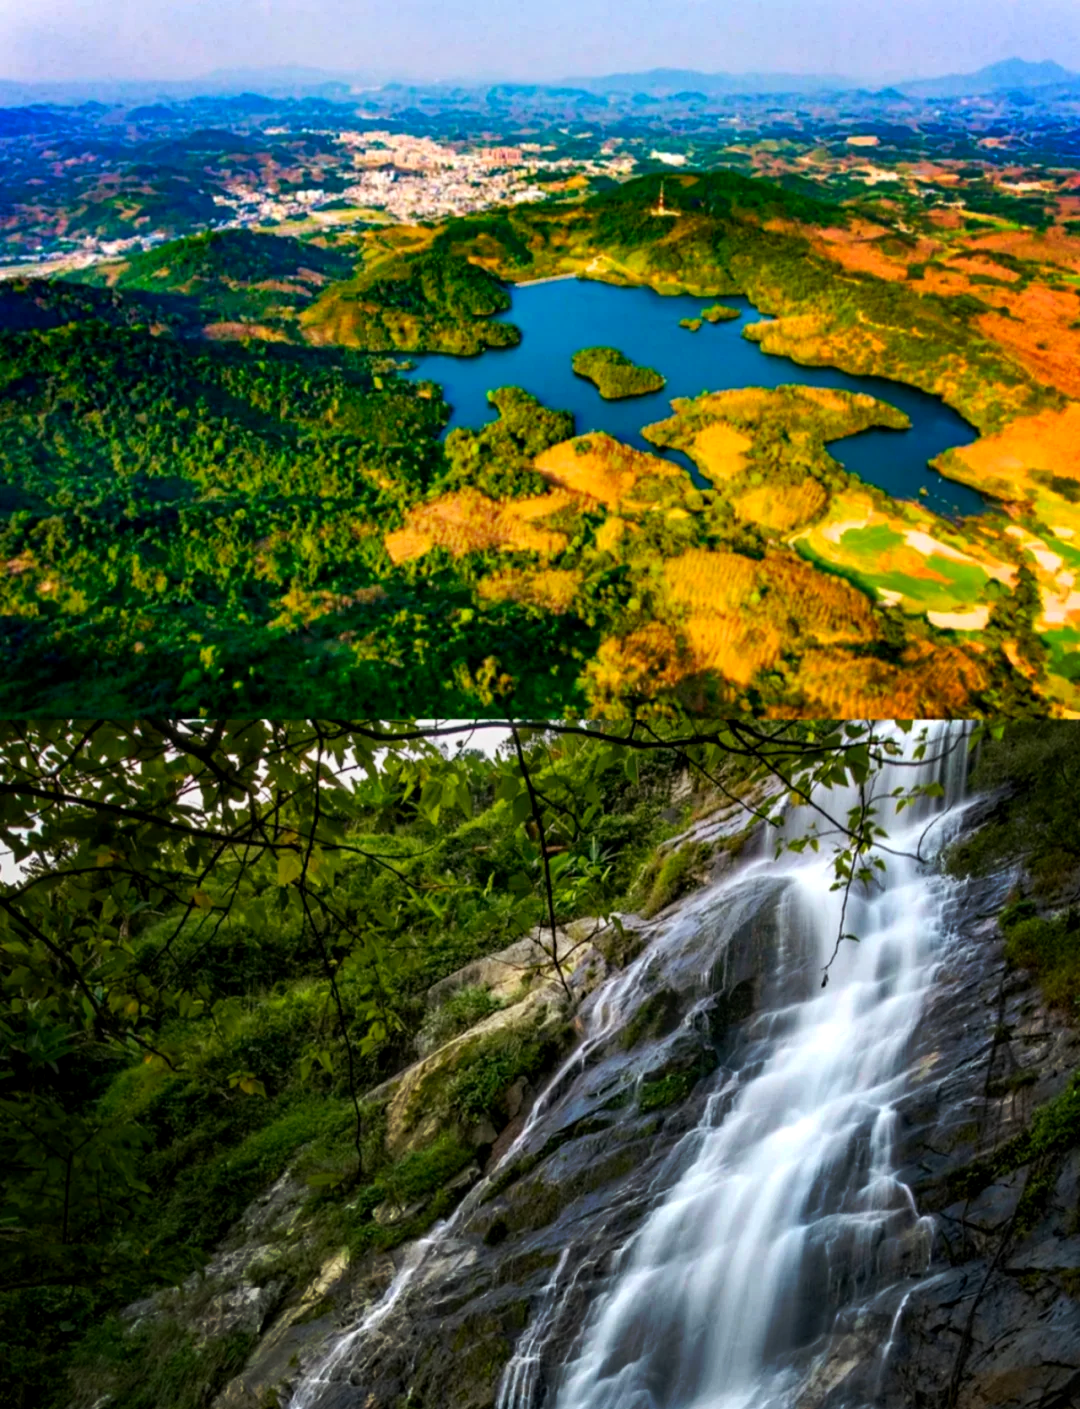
x,y
75,39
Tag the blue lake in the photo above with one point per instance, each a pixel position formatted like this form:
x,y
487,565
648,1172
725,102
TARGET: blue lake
x,y
558,318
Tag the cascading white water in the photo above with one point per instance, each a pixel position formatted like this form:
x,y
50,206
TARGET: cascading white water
x,y
787,1205
783,1206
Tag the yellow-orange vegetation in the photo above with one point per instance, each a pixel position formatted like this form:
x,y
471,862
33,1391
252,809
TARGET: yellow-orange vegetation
x,y
644,663
931,681
815,604
700,579
554,589
735,644
1002,463
470,522
300,608
610,533
782,508
237,332
606,470
737,613
720,451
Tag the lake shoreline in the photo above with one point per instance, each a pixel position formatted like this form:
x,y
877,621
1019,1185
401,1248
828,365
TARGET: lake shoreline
x,y
560,321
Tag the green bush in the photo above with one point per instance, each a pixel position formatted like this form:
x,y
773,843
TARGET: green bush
x,y
462,1010
1051,949
668,875
499,1061
154,1365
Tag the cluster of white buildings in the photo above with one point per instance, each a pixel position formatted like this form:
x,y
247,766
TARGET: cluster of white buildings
x,y
417,178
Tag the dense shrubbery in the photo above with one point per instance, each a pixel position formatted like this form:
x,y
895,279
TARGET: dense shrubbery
x,y
231,275
432,302
189,523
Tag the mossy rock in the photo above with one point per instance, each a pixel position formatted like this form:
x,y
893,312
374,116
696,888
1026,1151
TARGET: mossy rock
x,y
536,1203
434,1095
669,874
658,1016
620,945
673,1082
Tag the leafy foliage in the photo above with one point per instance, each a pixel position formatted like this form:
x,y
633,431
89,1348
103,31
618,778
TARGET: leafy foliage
x,y
1034,770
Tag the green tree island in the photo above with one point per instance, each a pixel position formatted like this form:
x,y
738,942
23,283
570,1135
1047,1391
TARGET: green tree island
x,y
614,374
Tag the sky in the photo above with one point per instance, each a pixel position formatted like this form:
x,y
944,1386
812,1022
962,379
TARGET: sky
x,y
528,39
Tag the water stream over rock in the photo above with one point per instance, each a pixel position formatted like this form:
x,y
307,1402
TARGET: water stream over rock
x,y
729,1252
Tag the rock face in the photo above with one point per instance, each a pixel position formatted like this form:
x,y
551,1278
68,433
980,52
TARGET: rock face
x,y
982,1308
996,1322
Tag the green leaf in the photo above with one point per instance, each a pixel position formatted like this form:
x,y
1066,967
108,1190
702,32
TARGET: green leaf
x,y
290,864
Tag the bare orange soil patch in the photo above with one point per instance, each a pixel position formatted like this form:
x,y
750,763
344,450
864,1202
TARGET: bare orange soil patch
x,y
1042,333
554,589
1002,463
946,219
470,522
980,264
602,468
858,248
945,282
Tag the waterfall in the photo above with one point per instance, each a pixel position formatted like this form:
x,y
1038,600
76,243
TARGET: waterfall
x,y
780,1213
787,1209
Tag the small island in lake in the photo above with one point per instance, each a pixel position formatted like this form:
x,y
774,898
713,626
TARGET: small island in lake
x,y
692,325
719,313
614,374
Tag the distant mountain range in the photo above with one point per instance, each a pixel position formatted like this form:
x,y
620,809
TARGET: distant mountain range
x,y
668,81
996,78
1011,75
1008,75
